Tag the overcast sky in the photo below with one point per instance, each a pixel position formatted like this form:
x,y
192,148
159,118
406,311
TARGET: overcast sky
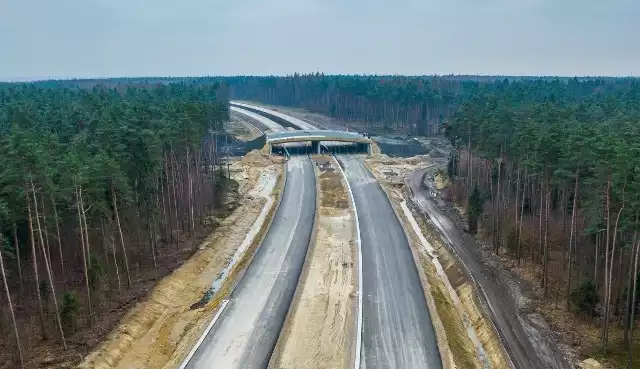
x,y
107,38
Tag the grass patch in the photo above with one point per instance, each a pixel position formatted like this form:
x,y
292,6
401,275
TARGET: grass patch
x,y
334,195
460,345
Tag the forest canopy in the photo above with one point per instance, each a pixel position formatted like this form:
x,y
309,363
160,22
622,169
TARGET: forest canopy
x,y
97,176
95,183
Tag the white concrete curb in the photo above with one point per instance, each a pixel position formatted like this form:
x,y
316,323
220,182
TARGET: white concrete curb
x,y
204,334
359,244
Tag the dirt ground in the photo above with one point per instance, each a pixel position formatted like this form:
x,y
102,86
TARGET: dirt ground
x,y
460,324
241,128
319,331
394,170
159,332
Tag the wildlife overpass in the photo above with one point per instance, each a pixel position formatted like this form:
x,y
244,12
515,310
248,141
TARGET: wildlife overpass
x,y
320,141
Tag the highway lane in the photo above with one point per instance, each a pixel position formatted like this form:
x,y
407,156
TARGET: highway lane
x,y
271,125
245,334
294,121
397,329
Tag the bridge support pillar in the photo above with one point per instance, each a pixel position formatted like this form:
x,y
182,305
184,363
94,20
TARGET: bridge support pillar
x,y
315,147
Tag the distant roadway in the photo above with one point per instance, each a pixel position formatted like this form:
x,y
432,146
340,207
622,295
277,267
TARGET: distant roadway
x,y
397,328
268,123
246,332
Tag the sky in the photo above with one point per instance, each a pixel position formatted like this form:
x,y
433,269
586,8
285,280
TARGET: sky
x,y
41,39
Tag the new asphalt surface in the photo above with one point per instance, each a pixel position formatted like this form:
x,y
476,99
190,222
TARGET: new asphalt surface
x,y
246,333
397,328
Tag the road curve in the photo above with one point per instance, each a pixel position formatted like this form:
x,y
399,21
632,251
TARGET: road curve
x,y
517,330
397,328
294,121
271,125
245,334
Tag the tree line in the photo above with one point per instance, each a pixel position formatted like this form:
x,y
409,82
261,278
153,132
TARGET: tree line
x,y
548,167
551,173
412,104
96,184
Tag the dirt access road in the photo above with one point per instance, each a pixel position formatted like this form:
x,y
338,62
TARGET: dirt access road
x,y
527,338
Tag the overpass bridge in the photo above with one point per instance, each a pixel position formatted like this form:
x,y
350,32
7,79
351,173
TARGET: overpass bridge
x,y
320,139
302,135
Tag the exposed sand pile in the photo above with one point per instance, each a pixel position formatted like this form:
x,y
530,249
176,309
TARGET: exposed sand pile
x,y
247,170
319,332
159,332
375,149
258,158
396,169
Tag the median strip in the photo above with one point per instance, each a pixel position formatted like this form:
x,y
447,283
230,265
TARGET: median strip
x,y
320,327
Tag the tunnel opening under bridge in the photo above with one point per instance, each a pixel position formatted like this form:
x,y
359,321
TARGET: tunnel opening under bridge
x,y
320,148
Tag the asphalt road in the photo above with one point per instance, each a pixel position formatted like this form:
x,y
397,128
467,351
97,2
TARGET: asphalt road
x,y
519,329
266,122
294,121
397,328
246,333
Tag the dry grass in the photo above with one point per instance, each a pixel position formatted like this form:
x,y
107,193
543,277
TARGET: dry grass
x,y
468,296
333,192
461,347
242,129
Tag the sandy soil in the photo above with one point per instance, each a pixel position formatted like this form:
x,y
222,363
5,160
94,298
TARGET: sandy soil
x,y
241,128
320,326
159,332
394,170
461,326
459,296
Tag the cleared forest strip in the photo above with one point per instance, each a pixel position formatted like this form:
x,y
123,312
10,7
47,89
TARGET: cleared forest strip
x,y
159,332
319,331
466,336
